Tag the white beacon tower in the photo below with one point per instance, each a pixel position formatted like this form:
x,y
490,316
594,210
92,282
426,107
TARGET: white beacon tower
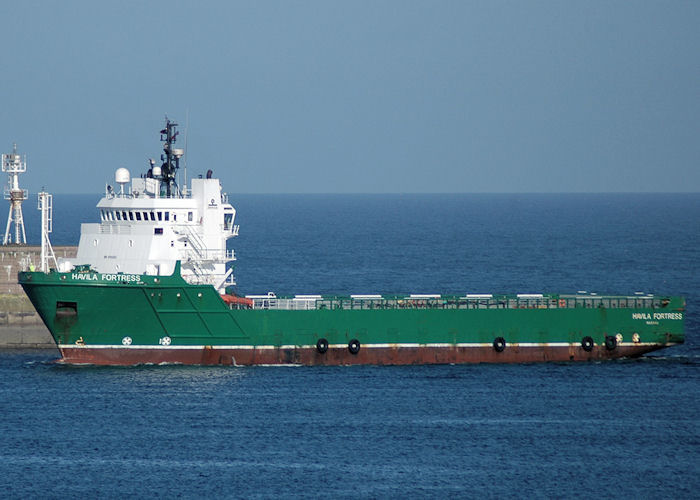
x,y
14,165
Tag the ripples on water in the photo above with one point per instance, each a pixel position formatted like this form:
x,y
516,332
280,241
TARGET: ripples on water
x,y
614,429
605,429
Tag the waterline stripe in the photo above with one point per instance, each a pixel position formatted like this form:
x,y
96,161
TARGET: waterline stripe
x,y
344,346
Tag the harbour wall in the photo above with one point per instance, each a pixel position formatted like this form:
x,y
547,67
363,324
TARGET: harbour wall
x,y
20,325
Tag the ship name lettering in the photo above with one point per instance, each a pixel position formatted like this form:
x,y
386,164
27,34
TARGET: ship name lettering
x,y
658,316
120,277
84,276
672,315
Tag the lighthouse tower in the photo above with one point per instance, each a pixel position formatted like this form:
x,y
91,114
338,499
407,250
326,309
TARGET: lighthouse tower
x,y
14,165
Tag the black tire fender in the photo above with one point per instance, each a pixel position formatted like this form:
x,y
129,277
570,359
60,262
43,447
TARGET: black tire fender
x,y
354,346
587,343
322,345
610,342
499,344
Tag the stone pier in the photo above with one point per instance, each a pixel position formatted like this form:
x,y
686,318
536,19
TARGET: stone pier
x,y
20,325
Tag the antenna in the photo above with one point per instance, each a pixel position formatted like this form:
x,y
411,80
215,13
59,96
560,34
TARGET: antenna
x,y
184,160
14,165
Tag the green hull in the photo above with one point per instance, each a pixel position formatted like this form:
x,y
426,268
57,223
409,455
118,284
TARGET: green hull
x,y
127,319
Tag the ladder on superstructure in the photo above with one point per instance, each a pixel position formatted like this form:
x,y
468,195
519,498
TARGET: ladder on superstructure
x,y
198,249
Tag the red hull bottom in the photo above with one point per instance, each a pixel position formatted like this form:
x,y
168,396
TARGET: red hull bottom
x,y
341,356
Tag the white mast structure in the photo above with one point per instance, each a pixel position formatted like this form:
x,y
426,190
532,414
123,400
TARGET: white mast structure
x,y
14,165
46,207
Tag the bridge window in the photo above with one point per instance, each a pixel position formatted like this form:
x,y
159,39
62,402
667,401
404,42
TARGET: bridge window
x,y
119,216
160,215
131,215
153,216
167,215
189,216
138,215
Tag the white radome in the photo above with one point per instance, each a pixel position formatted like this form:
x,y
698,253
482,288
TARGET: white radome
x,y
122,176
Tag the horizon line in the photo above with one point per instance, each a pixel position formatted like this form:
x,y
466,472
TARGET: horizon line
x,y
330,193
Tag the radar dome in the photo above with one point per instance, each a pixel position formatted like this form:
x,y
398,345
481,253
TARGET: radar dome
x,y
157,171
122,176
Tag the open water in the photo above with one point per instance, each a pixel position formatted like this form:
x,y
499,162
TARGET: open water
x,y
616,429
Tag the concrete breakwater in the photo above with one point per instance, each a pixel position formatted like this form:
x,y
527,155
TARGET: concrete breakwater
x,y
20,325
23,330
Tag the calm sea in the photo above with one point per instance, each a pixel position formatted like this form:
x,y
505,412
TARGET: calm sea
x,y
615,429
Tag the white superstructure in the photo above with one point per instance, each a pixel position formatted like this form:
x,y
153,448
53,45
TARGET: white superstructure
x,y
148,224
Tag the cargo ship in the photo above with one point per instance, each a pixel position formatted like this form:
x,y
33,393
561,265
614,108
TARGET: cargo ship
x,y
152,283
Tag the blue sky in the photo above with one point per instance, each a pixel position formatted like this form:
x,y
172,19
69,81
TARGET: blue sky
x,y
359,96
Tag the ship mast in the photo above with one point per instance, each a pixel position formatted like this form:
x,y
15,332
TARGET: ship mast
x,y
171,158
46,207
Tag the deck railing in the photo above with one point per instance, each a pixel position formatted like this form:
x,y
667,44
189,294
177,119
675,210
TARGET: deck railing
x,y
271,301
